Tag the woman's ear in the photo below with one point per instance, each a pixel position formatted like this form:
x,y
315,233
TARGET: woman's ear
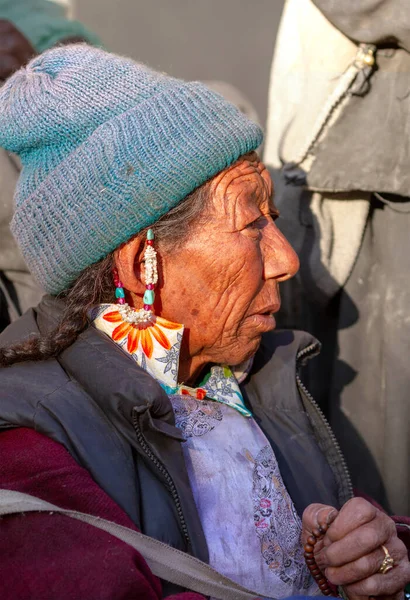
x,y
128,259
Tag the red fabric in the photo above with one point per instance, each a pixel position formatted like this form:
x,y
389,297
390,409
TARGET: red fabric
x,y
54,557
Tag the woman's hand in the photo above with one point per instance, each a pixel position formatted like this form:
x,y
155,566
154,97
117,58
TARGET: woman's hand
x,y
351,553
15,49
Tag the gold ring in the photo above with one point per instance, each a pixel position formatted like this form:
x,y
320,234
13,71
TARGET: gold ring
x,y
388,562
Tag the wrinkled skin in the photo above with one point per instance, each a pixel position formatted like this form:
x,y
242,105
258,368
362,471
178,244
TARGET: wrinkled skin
x,y
223,285
227,273
15,49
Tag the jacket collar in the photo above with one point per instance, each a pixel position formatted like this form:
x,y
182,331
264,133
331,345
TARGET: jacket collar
x,y
106,373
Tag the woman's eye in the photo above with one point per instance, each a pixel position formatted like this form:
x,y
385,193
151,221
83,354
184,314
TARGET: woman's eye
x,y
261,220
253,224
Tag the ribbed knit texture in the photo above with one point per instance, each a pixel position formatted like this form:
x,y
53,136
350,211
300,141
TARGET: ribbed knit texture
x,y
108,146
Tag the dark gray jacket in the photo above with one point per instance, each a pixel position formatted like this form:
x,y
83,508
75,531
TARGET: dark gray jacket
x,y
117,422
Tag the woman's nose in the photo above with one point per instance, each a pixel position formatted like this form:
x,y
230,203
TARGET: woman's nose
x,y
280,260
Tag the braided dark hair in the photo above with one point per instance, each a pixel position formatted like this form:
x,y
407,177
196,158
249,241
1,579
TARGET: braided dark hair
x,y
95,285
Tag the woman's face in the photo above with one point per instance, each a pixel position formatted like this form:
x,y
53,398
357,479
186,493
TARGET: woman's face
x,y
223,283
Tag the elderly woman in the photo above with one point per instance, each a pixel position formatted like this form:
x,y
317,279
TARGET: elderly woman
x,y
148,387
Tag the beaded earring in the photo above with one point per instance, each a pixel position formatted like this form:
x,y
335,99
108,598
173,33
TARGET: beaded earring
x,y
145,314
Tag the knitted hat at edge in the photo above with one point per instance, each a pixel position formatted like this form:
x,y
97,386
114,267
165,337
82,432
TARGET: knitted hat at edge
x,y
108,146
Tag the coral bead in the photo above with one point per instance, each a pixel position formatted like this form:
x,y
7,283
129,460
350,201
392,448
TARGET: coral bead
x,y
150,286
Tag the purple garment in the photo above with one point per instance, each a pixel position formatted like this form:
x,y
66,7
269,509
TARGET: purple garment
x,y
249,521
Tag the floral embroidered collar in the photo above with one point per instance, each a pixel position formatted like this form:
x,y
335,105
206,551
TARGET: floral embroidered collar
x,y
156,347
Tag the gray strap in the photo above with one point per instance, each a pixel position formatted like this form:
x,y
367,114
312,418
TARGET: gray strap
x,y
164,561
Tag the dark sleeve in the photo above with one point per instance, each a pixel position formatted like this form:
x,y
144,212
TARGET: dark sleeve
x,y
370,21
54,556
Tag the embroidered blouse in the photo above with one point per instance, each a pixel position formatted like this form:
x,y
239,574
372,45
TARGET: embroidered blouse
x,y
248,518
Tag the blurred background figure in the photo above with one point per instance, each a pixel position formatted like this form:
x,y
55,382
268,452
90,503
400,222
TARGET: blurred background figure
x,y
338,142
27,27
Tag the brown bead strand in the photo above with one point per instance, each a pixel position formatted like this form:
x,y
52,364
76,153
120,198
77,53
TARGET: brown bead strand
x,y
316,573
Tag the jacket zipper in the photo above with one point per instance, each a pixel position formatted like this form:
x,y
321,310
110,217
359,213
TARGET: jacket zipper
x,y
169,481
304,354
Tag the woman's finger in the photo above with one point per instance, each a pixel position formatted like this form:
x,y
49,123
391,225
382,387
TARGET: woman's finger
x,y
388,584
352,515
358,543
366,566
314,516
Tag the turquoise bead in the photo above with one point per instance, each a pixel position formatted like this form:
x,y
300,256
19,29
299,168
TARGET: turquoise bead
x,y
150,234
119,293
149,297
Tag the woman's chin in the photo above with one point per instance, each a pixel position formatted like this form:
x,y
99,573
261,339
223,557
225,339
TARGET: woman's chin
x,y
246,347
245,352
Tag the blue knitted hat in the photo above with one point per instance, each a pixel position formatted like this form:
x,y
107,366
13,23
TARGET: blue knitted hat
x,y
108,146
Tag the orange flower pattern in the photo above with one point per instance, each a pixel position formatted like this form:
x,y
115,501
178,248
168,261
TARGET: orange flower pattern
x,y
147,343
145,333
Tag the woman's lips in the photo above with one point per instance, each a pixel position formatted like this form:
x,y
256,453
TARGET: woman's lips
x,y
265,321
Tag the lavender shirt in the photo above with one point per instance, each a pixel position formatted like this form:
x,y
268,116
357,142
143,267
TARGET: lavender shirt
x,y
249,521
